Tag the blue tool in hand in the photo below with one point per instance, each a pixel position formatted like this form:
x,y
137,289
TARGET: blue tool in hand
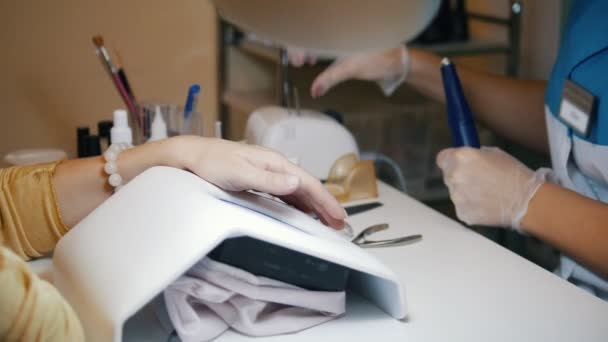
x,y
460,118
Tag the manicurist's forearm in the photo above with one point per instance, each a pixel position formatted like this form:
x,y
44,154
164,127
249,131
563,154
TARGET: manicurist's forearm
x,y
575,224
513,108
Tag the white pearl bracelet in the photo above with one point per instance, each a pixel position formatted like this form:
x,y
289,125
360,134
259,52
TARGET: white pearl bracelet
x,y
111,166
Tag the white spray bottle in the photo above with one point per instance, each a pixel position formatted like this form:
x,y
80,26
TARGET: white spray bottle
x,y
158,131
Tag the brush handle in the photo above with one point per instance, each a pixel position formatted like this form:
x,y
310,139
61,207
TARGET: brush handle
x,y
125,82
125,96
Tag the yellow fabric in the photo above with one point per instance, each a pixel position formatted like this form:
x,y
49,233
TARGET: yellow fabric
x,y
31,309
30,222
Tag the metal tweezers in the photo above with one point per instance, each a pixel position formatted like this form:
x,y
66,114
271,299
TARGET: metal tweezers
x,y
361,238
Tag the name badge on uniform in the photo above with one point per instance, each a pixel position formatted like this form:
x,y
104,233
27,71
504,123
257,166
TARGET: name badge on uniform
x,y
576,107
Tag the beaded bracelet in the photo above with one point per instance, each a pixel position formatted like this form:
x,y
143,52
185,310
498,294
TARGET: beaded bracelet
x,y
111,166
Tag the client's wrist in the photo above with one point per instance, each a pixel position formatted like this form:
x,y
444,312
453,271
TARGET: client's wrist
x,y
174,152
182,152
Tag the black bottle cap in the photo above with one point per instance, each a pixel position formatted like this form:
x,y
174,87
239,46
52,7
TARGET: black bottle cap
x,y
81,134
104,128
93,146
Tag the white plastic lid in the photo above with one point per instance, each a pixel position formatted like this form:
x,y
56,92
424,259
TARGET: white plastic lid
x,y
34,156
159,127
121,132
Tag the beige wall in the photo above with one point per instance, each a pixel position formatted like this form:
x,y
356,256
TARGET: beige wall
x,y
52,82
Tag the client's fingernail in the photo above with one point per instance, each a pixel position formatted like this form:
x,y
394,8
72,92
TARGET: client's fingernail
x,y
339,214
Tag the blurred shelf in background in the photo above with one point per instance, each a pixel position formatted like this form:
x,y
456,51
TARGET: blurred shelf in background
x,y
407,127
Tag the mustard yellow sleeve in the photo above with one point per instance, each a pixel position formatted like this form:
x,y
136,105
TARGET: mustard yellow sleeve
x,y
30,221
31,309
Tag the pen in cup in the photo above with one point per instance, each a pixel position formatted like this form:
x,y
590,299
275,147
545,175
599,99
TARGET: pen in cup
x,y
192,100
173,117
190,107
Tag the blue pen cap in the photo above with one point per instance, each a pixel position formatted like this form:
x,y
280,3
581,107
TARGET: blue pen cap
x,y
460,117
191,100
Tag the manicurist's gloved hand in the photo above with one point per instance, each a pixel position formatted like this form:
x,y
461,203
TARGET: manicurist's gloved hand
x,y
236,167
387,67
488,186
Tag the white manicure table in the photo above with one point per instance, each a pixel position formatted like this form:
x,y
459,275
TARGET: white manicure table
x,y
459,286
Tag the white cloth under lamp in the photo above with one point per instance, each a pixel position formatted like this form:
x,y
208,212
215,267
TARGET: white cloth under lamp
x,y
331,27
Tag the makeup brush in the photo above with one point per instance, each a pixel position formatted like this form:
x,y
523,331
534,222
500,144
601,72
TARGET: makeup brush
x,y
98,41
101,50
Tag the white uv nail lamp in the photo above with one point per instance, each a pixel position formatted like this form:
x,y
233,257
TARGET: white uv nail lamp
x,y
128,250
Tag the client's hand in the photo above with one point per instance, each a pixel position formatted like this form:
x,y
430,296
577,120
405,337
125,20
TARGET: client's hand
x,y
236,167
82,184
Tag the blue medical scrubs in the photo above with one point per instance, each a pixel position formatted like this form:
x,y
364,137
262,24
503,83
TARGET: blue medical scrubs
x,y
581,162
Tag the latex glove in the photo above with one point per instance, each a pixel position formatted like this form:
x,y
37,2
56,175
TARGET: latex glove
x,y
488,186
387,67
236,167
